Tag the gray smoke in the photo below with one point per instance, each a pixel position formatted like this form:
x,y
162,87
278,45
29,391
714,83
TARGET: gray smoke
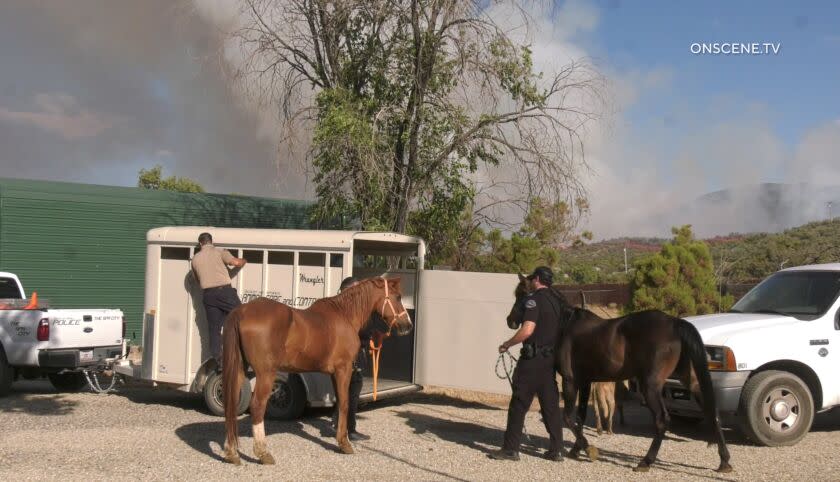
x,y
94,91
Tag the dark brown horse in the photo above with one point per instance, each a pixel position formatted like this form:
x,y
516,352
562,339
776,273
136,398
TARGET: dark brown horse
x,y
648,346
272,337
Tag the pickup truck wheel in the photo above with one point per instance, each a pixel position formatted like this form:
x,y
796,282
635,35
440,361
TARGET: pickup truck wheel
x,y
7,374
68,382
777,409
214,396
287,400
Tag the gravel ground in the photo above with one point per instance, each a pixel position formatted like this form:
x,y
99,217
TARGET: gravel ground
x,y
143,433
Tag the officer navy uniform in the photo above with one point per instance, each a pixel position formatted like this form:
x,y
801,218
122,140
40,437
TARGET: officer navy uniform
x,y
356,377
535,374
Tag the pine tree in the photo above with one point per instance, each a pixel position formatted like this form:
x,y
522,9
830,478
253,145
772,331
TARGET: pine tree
x,y
679,280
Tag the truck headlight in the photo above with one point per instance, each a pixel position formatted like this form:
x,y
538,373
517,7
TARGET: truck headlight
x,y
721,358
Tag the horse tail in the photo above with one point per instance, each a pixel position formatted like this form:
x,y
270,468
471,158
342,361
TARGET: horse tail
x,y
232,377
692,346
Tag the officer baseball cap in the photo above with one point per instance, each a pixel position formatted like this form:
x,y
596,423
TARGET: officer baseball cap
x,y
347,282
544,274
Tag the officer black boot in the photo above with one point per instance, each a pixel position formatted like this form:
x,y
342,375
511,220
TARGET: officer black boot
x,y
553,455
504,454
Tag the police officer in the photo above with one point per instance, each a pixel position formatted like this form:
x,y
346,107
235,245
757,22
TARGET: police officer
x,y
534,373
356,378
220,298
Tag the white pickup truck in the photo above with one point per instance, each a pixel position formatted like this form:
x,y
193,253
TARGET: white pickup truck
x,y
775,356
36,341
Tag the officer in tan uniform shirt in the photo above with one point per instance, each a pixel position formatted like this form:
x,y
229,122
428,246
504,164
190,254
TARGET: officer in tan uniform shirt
x,y
219,297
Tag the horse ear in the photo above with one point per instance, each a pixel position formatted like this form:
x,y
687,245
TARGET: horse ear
x,y
521,277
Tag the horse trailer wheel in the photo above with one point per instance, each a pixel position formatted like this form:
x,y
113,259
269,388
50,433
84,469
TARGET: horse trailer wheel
x,y
214,396
6,374
68,382
777,409
287,400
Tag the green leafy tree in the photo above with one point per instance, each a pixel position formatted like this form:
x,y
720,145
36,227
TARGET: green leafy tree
x,y
517,254
407,99
555,223
153,179
584,274
680,279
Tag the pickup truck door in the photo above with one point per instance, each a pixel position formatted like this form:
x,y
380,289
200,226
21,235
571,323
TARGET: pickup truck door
x,y
830,376
821,351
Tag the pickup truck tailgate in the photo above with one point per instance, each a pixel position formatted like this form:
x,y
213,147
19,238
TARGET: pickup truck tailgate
x,y
85,328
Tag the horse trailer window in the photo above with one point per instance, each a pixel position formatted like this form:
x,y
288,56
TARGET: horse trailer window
x,y
370,261
312,259
281,257
252,256
336,260
175,253
9,289
311,278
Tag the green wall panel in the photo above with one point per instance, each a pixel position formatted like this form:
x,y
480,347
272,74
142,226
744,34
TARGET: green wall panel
x,y
82,245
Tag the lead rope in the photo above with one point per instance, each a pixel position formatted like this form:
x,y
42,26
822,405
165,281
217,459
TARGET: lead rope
x,y
508,364
376,351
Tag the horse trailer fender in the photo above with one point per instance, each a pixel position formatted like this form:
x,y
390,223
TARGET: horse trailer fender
x,y
319,389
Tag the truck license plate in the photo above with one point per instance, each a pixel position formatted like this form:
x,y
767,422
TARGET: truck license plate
x,y
86,355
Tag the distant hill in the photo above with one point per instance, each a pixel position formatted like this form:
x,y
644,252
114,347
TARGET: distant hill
x,y
743,257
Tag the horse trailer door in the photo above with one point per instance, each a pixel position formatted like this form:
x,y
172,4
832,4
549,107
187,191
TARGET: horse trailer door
x,y
173,316
462,323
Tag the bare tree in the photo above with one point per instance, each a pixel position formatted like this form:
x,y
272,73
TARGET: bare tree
x,y
406,100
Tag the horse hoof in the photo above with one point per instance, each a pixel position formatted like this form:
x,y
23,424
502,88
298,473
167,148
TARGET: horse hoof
x,y
724,468
346,449
574,453
233,460
592,452
642,467
267,459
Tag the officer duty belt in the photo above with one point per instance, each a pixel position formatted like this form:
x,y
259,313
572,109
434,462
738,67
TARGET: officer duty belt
x,y
530,351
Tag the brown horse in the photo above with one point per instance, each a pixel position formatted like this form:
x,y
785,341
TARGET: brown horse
x,y
272,337
649,346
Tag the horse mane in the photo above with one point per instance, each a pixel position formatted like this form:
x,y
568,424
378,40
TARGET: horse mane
x,y
583,314
354,301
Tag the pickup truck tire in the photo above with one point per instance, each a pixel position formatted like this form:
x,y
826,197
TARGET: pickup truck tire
x,y
214,396
68,382
287,400
777,409
7,374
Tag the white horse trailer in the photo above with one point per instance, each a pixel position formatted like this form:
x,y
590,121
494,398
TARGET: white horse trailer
x,y
295,267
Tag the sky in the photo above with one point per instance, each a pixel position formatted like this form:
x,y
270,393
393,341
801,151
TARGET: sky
x,y
93,91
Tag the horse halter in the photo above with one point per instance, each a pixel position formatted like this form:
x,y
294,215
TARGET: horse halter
x,y
388,302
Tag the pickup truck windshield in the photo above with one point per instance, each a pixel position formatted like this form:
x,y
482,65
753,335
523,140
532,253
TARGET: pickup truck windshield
x,y
803,294
9,289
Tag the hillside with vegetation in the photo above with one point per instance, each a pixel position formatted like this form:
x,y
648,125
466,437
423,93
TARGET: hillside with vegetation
x,y
737,258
